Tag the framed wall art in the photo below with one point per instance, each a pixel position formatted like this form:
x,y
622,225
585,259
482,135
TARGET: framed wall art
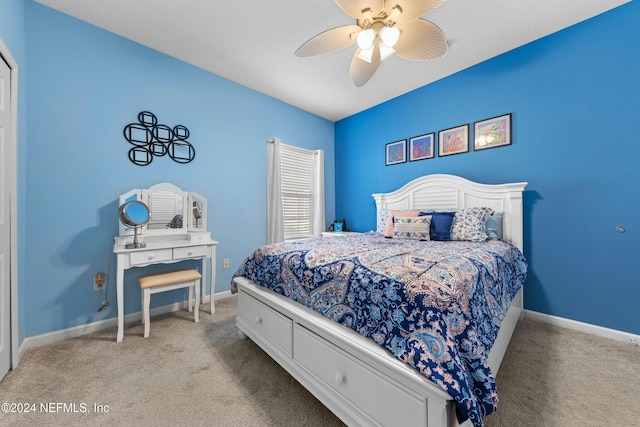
x,y
493,132
421,147
453,141
396,152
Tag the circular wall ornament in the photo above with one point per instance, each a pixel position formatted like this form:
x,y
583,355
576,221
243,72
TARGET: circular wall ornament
x,y
147,118
140,156
181,151
138,134
152,139
181,132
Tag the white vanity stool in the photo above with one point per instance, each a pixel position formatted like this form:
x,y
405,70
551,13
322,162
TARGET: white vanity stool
x,y
162,282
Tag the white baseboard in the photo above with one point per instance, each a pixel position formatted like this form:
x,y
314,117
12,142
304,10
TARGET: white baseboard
x,y
76,331
600,331
89,328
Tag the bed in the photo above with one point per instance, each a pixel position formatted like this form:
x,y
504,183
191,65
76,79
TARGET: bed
x,y
371,375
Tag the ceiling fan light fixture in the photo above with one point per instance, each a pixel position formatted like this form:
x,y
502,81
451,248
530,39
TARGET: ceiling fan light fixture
x,y
389,36
385,51
366,54
366,38
377,31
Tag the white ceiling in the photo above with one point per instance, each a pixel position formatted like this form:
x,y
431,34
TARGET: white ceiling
x,y
252,42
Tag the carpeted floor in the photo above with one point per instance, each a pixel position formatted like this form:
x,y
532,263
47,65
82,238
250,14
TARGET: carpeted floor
x,y
204,375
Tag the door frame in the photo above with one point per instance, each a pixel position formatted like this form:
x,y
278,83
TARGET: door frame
x,y
5,55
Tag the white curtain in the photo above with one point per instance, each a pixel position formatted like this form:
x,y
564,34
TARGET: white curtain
x,y
318,193
275,226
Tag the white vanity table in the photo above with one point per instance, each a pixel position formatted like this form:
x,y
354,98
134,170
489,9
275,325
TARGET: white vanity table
x,y
175,232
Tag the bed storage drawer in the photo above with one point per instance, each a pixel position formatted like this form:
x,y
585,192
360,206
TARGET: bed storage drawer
x,y
268,322
374,395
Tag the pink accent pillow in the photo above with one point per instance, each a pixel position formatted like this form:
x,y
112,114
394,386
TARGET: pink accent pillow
x,y
388,231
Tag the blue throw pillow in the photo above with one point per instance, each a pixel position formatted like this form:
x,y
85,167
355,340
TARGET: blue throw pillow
x,y
440,225
494,225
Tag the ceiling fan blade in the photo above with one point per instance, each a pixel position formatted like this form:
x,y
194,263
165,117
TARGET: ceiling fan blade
x,y
354,8
413,9
361,71
420,40
329,41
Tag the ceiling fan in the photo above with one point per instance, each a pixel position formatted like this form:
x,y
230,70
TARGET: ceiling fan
x,y
383,27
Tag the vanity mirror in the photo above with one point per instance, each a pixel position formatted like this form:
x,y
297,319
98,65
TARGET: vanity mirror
x,y
134,214
197,220
171,211
168,210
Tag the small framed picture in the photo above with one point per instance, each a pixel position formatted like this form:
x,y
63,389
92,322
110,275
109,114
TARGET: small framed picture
x,y
453,141
493,132
396,152
421,147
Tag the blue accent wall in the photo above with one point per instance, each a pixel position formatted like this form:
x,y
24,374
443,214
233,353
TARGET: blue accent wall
x,y
575,100
84,86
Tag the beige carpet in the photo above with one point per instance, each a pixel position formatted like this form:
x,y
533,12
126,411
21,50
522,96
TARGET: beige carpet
x,y
188,374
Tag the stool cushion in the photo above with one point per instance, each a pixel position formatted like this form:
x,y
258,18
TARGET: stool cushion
x,y
168,278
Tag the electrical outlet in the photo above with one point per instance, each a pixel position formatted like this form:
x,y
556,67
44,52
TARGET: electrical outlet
x,y
226,263
99,281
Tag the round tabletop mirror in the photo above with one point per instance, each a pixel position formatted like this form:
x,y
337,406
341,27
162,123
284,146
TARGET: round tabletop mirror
x,y
134,214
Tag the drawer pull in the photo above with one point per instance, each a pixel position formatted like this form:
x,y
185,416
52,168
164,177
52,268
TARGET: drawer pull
x,y
339,378
258,320
190,253
151,256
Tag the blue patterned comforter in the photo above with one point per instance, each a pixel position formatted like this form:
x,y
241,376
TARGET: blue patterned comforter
x,y
436,306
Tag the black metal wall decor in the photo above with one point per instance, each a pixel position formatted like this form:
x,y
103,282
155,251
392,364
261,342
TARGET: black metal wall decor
x,y
151,139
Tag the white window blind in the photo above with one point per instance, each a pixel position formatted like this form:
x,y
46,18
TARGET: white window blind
x,y
296,167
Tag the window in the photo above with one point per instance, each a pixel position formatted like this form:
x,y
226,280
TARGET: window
x,y
295,192
296,168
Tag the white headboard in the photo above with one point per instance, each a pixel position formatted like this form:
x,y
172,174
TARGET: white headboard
x,y
443,192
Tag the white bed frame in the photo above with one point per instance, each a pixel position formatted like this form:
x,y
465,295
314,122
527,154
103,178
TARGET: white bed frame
x,y
355,378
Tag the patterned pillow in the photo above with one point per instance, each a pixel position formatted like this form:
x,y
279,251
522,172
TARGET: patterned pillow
x,y
382,221
469,224
388,231
416,228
